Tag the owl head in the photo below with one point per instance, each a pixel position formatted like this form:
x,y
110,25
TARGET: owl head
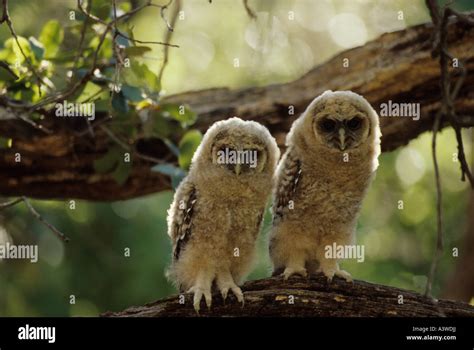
x,y
339,121
237,148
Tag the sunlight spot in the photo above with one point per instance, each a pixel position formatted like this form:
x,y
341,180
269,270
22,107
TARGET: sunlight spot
x,y
197,50
265,32
314,15
385,19
410,166
348,30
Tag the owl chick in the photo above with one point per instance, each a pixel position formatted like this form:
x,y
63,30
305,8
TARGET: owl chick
x,y
321,180
217,210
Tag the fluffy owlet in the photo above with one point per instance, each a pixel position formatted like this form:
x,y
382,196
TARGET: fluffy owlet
x,y
331,158
217,210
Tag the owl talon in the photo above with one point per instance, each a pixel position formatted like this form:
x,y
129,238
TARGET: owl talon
x,y
345,275
289,271
230,285
238,294
224,292
338,273
198,294
329,274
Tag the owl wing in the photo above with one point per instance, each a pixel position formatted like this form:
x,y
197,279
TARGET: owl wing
x,y
290,175
182,219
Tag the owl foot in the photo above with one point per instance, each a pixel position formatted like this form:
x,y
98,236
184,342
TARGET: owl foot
x,y
199,292
290,271
344,274
225,282
235,289
330,273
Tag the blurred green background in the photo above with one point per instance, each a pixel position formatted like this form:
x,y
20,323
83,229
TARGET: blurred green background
x,y
94,267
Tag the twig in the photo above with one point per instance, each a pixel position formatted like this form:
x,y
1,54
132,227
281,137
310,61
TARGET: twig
x,y
146,42
92,125
82,35
32,123
439,217
168,36
38,217
10,203
5,66
250,12
162,13
127,147
114,138
118,57
12,105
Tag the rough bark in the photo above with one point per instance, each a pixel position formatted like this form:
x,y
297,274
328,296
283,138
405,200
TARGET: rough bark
x,y
312,297
397,66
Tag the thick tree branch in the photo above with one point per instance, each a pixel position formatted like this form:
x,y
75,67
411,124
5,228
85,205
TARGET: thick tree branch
x,y
298,297
397,66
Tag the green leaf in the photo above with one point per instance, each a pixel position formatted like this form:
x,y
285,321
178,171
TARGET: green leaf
x,y
132,93
7,72
37,48
187,147
108,162
89,90
5,143
119,103
140,75
12,53
102,105
52,36
154,125
120,40
125,6
136,50
106,49
113,162
102,8
180,113
122,172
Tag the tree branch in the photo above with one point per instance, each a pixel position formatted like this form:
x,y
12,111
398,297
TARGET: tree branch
x,y
298,297
397,66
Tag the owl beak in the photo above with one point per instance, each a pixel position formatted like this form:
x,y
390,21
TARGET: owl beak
x,y
342,139
237,169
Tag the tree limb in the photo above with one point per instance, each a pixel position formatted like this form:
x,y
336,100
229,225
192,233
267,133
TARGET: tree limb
x,y
273,297
397,66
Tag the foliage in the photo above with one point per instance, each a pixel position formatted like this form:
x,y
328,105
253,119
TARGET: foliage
x,y
121,84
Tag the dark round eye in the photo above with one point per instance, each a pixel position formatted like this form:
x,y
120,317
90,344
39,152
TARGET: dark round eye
x,y
354,123
328,125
